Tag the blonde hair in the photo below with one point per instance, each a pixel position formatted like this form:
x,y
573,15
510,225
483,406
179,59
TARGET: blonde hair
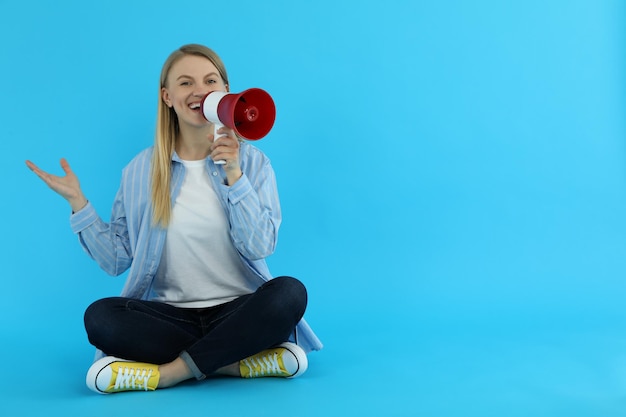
x,y
167,129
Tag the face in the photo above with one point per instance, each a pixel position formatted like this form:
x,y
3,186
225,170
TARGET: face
x,y
189,80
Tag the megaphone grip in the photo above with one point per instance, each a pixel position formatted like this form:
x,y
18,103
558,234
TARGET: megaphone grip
x,y
216,127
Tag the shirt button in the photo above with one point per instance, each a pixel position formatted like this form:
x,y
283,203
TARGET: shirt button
x,y
214,174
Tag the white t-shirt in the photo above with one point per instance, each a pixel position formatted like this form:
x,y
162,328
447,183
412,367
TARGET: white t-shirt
x,y
199,267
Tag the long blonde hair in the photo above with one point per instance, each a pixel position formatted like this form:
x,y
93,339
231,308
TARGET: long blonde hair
x,y
167,129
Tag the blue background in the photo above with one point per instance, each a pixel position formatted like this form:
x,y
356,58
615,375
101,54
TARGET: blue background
x,y
453,181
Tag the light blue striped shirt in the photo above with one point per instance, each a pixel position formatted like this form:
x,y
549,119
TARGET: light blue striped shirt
x,y
131,242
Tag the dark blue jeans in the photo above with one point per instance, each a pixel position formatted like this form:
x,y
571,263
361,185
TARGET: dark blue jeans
x,y
206,338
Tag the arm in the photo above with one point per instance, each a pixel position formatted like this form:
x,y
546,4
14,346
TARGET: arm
x,y
253,207
106,243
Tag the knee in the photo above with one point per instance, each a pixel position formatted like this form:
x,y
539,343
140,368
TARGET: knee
x,y
292,292
98,315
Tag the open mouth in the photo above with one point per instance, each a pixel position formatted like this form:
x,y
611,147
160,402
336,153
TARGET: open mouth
x,y
195,107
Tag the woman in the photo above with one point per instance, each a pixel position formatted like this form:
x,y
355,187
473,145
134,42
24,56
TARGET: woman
x,y
199,298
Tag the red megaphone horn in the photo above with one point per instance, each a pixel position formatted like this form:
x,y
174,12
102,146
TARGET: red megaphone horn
x,y
250,114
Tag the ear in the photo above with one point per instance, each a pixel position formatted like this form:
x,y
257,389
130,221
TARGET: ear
x,y
165,96
227,88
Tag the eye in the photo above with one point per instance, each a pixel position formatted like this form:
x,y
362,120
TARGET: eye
x,y
211,81
185,83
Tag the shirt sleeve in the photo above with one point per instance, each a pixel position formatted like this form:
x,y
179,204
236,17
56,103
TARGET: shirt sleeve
x,y
254,208
106,243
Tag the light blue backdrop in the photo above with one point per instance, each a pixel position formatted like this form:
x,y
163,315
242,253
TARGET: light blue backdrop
x,y
453,181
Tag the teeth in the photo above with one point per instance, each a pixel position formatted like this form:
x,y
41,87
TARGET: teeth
x,y
194,106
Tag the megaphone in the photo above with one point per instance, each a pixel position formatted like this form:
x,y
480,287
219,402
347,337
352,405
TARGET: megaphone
x,y
250,114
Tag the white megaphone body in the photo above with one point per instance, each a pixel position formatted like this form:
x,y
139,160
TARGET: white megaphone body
x,y
250,114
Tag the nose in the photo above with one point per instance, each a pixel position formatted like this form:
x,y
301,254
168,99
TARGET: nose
x,y
203,90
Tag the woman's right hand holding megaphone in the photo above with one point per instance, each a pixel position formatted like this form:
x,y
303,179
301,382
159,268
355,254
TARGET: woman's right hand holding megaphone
x,y
225,147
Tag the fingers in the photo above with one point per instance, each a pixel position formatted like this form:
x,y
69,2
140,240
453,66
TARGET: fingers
x,y
66,186
224,133
51,180
41,174
226,137
225,152
226,145
66,166
31,166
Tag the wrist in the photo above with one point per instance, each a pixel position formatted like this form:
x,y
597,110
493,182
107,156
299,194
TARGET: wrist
x,y
78,204
233,176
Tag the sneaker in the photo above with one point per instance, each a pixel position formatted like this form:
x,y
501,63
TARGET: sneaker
x,y
286,360
111,374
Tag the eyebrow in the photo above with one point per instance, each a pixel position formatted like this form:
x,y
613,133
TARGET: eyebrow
x,y
189,76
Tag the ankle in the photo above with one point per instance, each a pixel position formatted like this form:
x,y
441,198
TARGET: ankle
x,y
173,373
230,370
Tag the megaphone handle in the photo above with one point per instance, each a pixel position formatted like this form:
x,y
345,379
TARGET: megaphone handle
x,y
217,126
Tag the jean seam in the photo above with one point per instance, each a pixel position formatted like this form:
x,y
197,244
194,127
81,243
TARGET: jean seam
x,y
156,313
